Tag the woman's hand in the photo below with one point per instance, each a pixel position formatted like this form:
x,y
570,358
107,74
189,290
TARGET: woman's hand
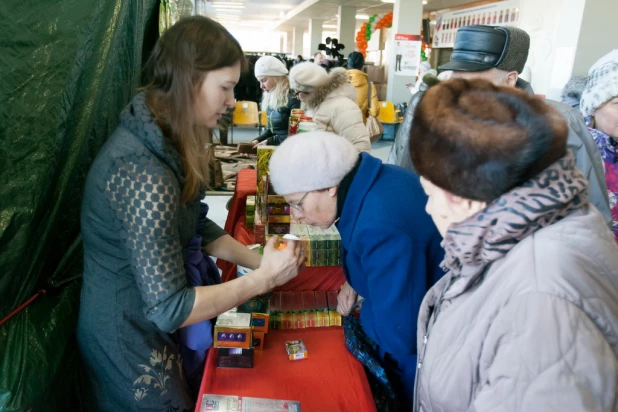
x,y
255,143
346,299
280,266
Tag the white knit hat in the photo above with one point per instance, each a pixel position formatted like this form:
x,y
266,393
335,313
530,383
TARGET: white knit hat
x,y
304,77
270,66
602,84
311,161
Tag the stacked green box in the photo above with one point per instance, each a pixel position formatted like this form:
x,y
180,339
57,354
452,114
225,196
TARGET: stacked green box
x,y
322,246
250,211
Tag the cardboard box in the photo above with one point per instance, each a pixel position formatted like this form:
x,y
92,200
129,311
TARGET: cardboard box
x,y
233,330
264,154
287,302
298,318
375,73
231,403
260,322
277,229
275,310
276,200
321,307
258,340
235,358
311,317
278,210
279,219
296,350
333,316
257,304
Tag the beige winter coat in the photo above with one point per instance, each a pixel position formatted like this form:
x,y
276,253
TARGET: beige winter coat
x,y
537,331
334,109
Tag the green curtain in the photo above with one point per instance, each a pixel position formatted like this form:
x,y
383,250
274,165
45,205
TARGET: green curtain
x,y
67,69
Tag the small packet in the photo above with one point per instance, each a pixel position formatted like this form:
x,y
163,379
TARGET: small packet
x,y
296,350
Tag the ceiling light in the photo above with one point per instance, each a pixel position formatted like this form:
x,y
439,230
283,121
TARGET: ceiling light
x,y
281,15
362,17
228,11
424,2
225,6
277,6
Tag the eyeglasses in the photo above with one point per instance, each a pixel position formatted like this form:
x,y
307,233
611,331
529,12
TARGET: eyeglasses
x,y
299,205
298,92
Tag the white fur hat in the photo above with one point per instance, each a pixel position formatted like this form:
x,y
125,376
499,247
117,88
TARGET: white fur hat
x,y
270,66
304,77
311,161
602,84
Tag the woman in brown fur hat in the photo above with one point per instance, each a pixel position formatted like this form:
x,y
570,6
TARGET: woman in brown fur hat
x,y
526,317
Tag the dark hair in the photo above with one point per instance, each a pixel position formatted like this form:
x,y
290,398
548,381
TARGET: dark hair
x,y
176,69
356,60
479,141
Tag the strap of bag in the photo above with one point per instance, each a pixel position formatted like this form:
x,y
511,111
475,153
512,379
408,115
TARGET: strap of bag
x,y
369,84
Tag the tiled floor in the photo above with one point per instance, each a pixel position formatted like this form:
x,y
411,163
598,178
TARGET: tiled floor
x,y
217,203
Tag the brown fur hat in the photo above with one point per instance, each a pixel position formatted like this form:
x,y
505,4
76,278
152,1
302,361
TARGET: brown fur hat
x,y
478,141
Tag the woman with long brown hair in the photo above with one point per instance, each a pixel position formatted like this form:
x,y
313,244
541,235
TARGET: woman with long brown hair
x,y
147,291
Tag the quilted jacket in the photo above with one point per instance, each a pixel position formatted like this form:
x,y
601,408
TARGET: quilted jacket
x,y
334,109
537,331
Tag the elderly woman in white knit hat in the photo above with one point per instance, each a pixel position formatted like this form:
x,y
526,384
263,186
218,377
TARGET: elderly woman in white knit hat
x,y
277,100
390,247
599,105
330,99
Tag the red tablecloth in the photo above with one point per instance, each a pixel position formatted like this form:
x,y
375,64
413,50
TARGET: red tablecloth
x,y
329,380
320,278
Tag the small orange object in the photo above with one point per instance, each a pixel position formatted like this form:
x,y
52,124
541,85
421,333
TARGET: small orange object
x,y
282,246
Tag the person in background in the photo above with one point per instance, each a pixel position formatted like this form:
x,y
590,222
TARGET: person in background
x,y
499,54
317,58
330,99
278,101
572,92
299,59
599,105
390,247
526,318
145,231
359,80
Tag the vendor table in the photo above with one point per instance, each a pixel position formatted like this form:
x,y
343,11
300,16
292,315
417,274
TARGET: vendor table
x,y
329,380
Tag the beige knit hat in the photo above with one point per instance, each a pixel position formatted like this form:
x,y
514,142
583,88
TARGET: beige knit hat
x,y
304,77
327,156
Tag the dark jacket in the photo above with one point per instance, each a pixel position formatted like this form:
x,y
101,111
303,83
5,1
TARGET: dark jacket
x,y
579,141
391,255
135,295
278,121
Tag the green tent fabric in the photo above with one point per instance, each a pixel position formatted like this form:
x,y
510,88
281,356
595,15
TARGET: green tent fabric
x,y
67,69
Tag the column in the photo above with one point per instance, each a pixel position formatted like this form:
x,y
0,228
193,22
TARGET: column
x,y
346,25
297,41
597,35
315,35
407,19
566,38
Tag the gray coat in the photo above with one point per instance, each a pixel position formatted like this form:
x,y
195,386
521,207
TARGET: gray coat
x,y
579,141
536,331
